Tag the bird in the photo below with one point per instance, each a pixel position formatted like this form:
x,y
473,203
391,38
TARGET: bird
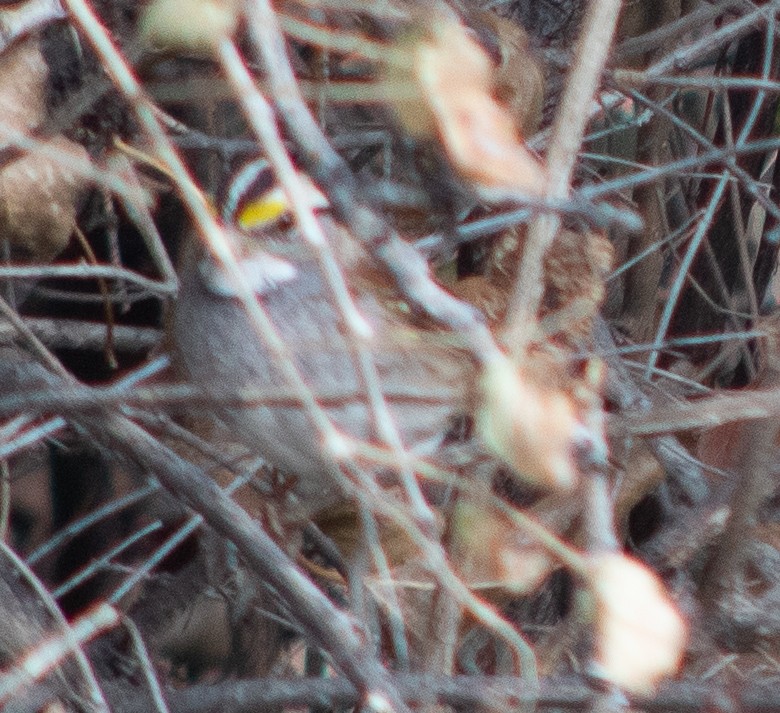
x,y
424,375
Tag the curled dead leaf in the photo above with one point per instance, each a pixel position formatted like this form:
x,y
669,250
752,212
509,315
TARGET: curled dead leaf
x,y
491,555
518,79
39,195
441,85
641,634
532,428
39,199
479,291
23,78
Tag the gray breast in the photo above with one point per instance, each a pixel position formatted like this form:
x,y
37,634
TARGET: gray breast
x,y
220,349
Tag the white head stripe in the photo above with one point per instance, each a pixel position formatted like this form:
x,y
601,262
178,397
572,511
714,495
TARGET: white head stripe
x,y
239,186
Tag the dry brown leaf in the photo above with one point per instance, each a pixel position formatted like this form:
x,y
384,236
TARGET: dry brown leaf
x,y
519,79
530,426
39,199
491,555
575,268
641,474
23,77
39,195
641,635
442,85
484,295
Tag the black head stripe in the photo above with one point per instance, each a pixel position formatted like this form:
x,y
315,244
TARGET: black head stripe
x,y
252,180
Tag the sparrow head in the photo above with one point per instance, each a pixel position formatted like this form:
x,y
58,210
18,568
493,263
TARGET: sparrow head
x,y
255,202
258,217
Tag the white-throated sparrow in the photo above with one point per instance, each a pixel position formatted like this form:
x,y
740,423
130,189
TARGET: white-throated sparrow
x,y
425,378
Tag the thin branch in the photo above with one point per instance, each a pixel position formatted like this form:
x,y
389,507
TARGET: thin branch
x,y
568,132
497,692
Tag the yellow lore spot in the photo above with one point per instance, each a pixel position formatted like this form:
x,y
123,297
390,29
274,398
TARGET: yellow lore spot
x,y
263,211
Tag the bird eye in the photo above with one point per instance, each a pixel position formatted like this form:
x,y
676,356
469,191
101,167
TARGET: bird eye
x,y
286,221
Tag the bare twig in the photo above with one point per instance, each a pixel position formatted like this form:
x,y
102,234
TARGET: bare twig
x,y
499,692
568,131
69,640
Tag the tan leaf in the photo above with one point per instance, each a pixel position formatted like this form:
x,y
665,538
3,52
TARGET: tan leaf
x,y
491,555
519,80
641,635
23,78
442,84
39,199
39,195
195,26
529,426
